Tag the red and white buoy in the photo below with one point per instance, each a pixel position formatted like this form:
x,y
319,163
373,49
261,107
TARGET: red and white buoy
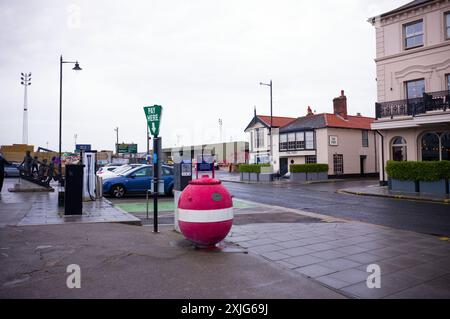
x,y
205,211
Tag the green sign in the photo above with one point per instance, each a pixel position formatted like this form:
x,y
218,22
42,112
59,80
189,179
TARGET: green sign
x,y
127,148
153,115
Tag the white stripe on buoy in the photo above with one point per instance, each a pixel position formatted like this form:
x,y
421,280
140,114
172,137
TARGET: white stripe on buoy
x,y
205,216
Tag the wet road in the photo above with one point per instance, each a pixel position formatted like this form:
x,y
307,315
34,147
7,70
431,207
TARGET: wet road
x,y
424,217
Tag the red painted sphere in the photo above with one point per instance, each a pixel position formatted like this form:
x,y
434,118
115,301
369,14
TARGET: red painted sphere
x,y
205,211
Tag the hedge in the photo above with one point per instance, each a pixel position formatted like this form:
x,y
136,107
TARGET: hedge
x,y
308,168
251,168
418,171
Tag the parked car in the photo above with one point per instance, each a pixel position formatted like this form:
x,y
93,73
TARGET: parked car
x,y
104,169
12,170
137,181
119,170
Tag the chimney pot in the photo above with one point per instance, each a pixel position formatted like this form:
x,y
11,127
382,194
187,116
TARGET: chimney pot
x,y
342,92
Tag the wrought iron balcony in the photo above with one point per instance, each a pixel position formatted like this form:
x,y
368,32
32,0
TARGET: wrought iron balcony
x,y
433,101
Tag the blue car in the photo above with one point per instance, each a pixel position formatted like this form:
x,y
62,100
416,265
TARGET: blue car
x,y
137,181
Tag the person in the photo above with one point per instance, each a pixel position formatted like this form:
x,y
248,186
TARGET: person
x,y
34,165
26,163
42,174
51,170
3,162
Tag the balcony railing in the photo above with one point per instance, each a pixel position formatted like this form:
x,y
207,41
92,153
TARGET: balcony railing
x,y
433,101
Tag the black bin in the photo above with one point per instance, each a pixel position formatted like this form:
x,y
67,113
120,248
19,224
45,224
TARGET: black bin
x,y
73,195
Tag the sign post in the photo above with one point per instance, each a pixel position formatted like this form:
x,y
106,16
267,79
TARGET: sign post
x,y
153,115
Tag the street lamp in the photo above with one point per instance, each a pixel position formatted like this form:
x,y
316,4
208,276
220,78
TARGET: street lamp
x,y
271,119
220,130
25,81
75,68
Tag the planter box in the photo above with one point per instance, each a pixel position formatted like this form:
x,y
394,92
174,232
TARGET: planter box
x,y
245,176
403,186
435,187
265,177
298,177
254,177
322,176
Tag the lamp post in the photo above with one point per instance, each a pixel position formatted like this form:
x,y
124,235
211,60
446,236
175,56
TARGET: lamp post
x,y
117,140
75,68
271,119
25,81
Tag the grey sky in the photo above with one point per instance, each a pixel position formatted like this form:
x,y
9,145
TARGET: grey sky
x,y
201,60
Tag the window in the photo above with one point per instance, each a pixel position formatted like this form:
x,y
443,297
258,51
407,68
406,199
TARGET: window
x,y
415,89
143,172
448,81
167,171
447,25
259,138
399,149
311,159
291,141
365,138
309,137
251,140
338,164
297,141
445,146
283,142
300,140
413,33
430,147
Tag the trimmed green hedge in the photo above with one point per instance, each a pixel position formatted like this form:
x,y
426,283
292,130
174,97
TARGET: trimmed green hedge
x,y
251,168
418,171
308,168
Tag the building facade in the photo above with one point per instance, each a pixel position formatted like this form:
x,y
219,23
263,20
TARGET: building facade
x,y
345,142
259,139
413,82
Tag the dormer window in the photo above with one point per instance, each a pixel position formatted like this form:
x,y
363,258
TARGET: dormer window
x,y
413,33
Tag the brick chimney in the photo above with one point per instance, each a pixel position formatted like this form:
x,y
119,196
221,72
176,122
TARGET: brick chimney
x,y
340,105
309,111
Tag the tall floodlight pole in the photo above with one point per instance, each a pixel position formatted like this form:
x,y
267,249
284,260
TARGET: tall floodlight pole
x,y
75,68
25,81
271,120
220,130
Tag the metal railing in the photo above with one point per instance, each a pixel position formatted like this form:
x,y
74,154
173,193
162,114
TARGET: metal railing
x,y
431,101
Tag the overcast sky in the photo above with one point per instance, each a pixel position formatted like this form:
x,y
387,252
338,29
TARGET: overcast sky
x,y
201,60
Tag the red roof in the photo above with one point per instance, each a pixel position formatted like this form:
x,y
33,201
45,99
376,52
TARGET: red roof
x,y
277,121
358,122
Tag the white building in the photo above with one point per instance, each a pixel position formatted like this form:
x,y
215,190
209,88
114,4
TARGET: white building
x,y
413,82
344,142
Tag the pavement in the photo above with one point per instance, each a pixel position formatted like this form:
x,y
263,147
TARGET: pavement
x,y
41,208
337,254
383,191
271,252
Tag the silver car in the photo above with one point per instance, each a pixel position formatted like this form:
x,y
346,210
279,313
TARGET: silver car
x,y
12,170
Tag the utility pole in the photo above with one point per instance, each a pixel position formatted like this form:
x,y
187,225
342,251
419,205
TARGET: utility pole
x,y
75,138
26,78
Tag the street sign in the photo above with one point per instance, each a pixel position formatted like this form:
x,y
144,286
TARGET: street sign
x,y
153,115
82,147
127,148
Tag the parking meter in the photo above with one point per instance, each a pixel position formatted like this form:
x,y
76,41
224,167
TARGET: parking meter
x,y
182,175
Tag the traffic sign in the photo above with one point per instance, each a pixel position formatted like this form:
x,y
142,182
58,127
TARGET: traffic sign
x,y
153,115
